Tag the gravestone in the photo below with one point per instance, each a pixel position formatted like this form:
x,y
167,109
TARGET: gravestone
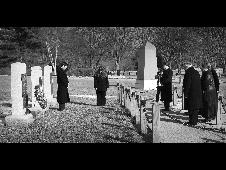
x,y
17,72
36,82
24,91
147,68
19,94
48,84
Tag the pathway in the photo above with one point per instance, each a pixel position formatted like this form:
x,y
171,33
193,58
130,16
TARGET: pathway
x,y
173,130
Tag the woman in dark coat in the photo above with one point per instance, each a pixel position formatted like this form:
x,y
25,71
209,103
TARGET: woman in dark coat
x,y
101,84
215,77
166,88
62,81
192,93
209,91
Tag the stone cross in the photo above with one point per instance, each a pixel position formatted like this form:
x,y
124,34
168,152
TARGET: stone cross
x,y
147,68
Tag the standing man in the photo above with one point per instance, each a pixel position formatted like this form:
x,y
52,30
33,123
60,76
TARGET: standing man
x,y
62,81
192,93
101,84
166,88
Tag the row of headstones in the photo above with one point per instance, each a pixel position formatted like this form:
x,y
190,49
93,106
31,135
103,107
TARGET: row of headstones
x,y
39,81
139,106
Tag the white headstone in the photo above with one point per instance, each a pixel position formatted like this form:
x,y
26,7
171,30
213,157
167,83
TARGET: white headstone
x,y
48,81
17,69
18,110
36,75
147,68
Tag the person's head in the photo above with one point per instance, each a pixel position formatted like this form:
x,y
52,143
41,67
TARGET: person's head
x,y
209,66
187,65
101,68
165,66
101,71
64,65
204,67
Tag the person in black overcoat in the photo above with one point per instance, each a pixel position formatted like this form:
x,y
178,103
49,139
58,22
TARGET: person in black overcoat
x,y
62,81
215,77
166,88
210,99
158,77
101,84
192,93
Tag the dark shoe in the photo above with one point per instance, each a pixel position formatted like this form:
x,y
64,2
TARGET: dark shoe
x,y
61,107
207,120
166,110
186,113
190,124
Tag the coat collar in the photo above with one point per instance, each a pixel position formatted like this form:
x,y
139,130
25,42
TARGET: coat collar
x,y
190,68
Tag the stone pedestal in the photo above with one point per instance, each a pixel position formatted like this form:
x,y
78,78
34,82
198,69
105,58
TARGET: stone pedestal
x,y
146,84
36,77
147,68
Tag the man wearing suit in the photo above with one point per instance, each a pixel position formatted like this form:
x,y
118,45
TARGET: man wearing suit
x,y
166,88
101,84
192,93
62,81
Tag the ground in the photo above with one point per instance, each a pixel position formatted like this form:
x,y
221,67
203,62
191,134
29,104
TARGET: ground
x,y
84,122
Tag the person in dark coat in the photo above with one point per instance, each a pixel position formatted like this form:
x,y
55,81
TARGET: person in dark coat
x,y
166,88
158,77
192,93
101,84
62,81
215,77
209,91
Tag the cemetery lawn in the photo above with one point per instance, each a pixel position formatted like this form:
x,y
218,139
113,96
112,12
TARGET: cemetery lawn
x,y
81,122
84,122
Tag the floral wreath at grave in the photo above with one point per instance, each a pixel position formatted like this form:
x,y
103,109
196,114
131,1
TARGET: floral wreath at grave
x,y
40,97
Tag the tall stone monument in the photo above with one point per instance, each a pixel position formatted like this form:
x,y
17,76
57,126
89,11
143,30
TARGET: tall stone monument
x,y
18,94
147,68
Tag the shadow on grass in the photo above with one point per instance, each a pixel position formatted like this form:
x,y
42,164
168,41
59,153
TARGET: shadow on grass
x,y
177,119
147,138
178,115
107,137
206,140
6,104
82,103
118,126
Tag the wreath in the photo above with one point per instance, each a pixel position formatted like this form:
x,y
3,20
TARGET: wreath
x,y
40,97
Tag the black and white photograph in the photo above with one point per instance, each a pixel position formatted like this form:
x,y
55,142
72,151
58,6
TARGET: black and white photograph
x,y
113,84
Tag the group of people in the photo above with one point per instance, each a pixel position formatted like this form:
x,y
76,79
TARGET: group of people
x,y
200,92
101,84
